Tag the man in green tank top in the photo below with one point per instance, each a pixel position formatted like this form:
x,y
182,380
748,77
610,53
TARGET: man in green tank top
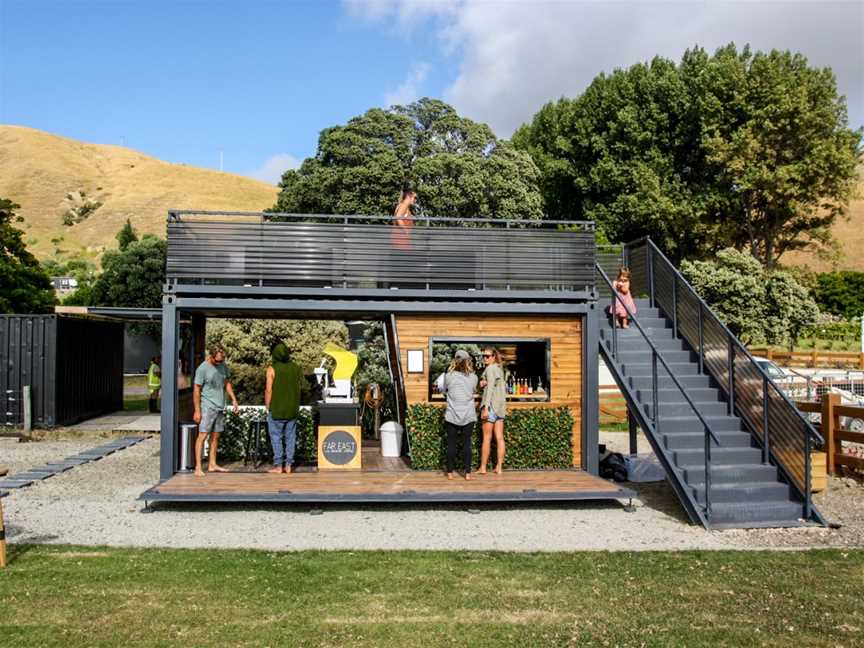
x,y
282,400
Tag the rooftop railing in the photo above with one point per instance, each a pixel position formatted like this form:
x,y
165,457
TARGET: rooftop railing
x,y
247,250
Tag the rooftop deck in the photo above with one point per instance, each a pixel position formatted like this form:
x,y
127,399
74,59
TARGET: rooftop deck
x,y
366,257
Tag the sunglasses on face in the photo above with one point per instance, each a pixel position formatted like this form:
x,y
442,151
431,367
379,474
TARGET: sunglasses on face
x,y
487,355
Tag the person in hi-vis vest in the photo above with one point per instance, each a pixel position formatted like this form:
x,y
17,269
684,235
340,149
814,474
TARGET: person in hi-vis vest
x,y
154,383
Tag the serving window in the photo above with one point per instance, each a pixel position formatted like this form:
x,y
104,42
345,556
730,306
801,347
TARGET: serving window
x,y
526,363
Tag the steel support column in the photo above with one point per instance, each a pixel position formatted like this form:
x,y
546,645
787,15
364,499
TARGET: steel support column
x,y
168,436
591,390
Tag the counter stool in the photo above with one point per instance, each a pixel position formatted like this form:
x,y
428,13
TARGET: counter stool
x,y
255,449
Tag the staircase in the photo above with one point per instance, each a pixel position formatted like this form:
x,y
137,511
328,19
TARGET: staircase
x,y
716,463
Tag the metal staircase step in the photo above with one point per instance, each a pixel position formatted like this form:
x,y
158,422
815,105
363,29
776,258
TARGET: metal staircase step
x,y
665,382
743,492
693,440
674,395
756,513
691,422
683,408
631,355
722,474
628,343
677,368
696,456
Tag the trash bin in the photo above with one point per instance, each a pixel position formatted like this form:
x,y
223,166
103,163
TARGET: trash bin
x,y
391,439
188,434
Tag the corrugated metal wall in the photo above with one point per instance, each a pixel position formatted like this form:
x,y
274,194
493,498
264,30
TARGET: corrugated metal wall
x,y
74,367
89,369
28,354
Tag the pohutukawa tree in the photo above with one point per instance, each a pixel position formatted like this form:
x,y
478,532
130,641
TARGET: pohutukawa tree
x,y
24,285
457,166
743,149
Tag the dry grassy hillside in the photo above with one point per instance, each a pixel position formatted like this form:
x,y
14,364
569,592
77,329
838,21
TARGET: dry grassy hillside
x,y
54,177
849,233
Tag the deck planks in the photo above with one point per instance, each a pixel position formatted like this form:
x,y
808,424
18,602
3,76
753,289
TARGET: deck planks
x,y
417,486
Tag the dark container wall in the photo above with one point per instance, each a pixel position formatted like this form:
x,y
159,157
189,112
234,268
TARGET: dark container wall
x,y
89,369
28,357
74,367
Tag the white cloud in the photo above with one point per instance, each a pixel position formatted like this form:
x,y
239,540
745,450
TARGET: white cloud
x,y
273,167
409,89
515,56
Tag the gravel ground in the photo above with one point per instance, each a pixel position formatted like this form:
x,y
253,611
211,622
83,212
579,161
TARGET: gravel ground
x,y
96,504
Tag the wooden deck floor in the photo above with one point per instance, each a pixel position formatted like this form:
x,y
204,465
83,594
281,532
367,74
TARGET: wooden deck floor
x,y
380,487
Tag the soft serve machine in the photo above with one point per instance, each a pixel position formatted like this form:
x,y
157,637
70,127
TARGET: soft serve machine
x,y
339,439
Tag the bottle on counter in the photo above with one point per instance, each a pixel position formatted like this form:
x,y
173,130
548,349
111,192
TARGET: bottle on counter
x,y
530,387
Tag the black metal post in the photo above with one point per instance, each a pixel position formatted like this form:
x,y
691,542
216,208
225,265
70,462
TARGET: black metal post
x,y
730,354
654,382
631,426
766,401
169,447
707,474
674,306
807,475
612,312
701,338
650,255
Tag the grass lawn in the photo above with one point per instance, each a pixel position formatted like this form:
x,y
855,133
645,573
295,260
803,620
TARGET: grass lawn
x,y
69,596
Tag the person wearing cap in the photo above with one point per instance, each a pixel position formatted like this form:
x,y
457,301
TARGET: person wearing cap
x,y
459,385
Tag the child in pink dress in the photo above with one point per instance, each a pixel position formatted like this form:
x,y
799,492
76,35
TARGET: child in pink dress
x,y
622,290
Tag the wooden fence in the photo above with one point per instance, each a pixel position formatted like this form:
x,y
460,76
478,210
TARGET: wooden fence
x,y
812,359
834,434
613,406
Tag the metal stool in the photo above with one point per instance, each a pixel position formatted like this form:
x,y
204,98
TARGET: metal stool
x,y
254,438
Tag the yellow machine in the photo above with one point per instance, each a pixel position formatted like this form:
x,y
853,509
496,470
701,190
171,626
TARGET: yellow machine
x,y
339,437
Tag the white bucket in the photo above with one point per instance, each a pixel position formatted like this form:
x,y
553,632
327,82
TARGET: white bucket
x,y
391,439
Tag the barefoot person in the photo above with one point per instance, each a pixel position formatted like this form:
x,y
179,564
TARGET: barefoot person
x,y
493,409
282,400
212,380
459,385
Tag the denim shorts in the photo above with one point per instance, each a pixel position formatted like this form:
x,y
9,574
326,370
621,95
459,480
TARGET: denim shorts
x,y
493,416
212,420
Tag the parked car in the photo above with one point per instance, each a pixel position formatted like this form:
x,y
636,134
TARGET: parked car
x,y
774,371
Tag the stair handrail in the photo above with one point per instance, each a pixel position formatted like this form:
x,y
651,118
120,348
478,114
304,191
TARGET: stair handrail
x,y
730,335
810,434
655,355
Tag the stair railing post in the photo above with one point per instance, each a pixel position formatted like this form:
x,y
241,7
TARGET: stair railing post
x,y
730,359
674,306
766,436
701,338
650,254
807,475
614,315
707,473
655,400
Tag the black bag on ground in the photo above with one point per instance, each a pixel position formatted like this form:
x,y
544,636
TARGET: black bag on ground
x,y
612,465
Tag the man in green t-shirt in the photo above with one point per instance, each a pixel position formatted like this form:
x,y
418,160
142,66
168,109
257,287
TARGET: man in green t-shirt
x,y
212,381
282,400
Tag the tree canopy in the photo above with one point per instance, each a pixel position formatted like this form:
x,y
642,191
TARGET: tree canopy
x,y
132,277
24,285
758,305
457,167
743,149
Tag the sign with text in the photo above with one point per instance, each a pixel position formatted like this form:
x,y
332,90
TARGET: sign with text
x,y
339,447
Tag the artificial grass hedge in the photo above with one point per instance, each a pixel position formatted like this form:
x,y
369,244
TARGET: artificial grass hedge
x,y
238,428
538,437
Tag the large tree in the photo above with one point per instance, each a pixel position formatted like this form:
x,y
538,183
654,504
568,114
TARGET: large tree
x,y
457,166
739,148
24,285
132,277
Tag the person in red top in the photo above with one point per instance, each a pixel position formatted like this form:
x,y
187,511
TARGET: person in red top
x,y
403,221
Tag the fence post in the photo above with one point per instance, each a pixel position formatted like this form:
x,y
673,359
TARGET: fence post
x,y
769,353
766,440
830,423
650,273
861,360
730,353
27,409
813,358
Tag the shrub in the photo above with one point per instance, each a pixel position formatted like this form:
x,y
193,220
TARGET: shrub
x,y
238,428
841,293
536,438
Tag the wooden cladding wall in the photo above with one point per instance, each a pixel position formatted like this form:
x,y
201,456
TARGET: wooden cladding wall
x,y
565,339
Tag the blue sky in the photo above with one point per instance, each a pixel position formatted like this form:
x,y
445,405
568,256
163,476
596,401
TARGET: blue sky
x,y
258,80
